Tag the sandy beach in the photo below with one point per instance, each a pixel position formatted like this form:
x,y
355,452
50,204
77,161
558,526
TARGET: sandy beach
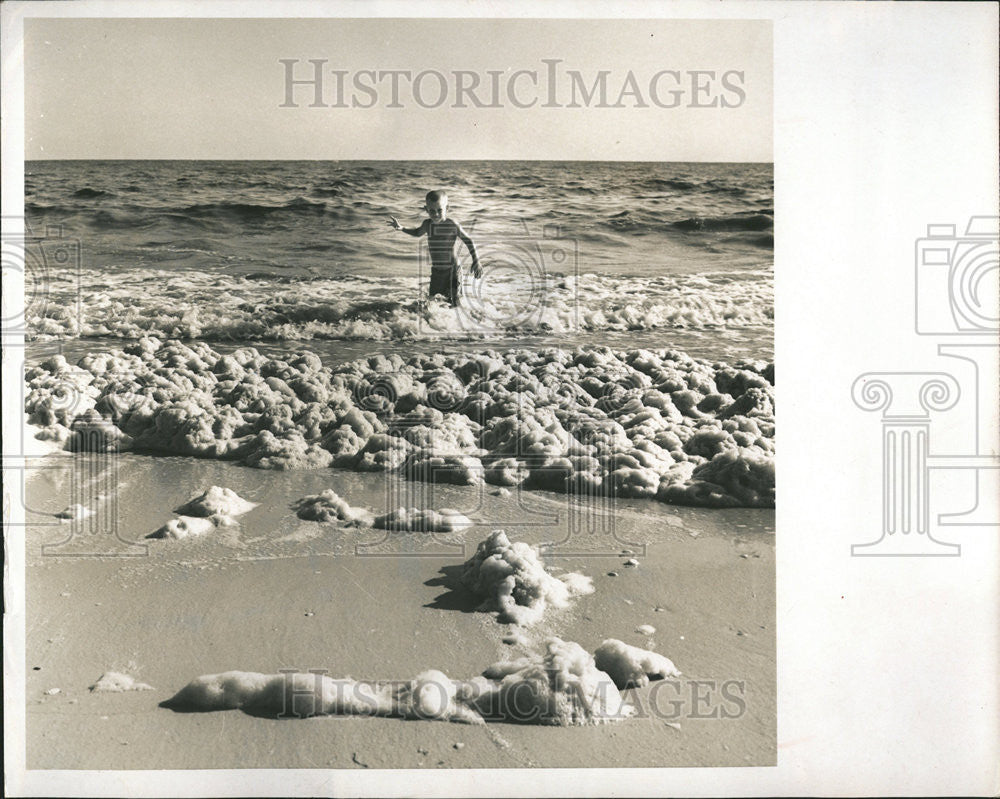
x,y
278,593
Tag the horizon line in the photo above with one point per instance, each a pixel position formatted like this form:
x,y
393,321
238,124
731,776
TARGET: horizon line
x,y
427,160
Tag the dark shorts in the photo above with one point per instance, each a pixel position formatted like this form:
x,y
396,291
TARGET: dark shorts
x,y
445,283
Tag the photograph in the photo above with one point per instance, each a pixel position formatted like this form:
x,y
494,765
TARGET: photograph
x,y
390,404
463,448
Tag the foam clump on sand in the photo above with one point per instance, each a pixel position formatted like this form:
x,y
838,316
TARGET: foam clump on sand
x,y
116,682
58,393
328,506
74,513
445,520
186,527
299,694
639,423
216,507
216,501
561,686
429,696
515,582
630,666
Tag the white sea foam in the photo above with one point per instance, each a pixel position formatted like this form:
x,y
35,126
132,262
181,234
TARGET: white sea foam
x,y
446,520
328,506
115,682
560,686
142,301
515,583
184,527
216,501
645,424
202,514
630,666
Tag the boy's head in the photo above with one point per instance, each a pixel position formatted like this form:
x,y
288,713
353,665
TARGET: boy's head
x,y
436,205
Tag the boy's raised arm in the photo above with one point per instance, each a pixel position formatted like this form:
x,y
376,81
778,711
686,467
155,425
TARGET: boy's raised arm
x,y
411,231
477,270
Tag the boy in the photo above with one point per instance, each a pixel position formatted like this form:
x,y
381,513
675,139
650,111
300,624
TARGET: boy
x,y
441,233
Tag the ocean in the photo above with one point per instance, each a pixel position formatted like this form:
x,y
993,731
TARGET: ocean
x,y
574,253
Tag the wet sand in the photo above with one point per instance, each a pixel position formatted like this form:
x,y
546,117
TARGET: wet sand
x,y
281,593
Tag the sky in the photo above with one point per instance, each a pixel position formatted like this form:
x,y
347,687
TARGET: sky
x,y
214,89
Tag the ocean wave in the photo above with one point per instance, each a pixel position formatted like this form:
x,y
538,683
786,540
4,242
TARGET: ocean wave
x,y
642,222
128,216
250,211
590,421
88,193
736,222
40,209
668,183
122,219
262,307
